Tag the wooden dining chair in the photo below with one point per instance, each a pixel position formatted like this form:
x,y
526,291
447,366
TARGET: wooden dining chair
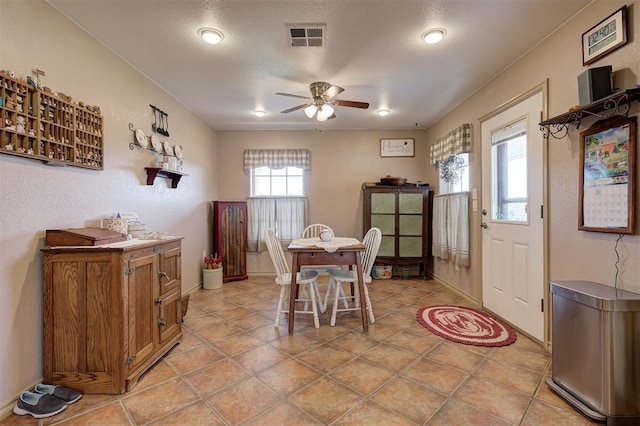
x,y
351,302
308,286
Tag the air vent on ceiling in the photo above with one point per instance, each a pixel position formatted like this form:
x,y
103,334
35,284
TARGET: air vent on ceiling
x,y
307,35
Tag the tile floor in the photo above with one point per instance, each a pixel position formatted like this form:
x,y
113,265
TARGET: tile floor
x,y
234,368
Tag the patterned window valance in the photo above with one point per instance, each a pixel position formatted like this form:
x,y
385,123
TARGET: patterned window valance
x,y
277,158
457,141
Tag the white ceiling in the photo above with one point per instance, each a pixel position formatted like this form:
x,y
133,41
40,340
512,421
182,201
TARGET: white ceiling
x,y
373,51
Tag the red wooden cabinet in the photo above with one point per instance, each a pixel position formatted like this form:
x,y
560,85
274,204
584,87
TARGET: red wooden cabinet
x,y
230,238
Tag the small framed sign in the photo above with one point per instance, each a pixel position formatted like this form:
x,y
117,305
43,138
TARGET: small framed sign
x,y
397,148
605,37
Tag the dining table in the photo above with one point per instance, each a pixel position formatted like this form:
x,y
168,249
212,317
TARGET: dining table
x,y
337,251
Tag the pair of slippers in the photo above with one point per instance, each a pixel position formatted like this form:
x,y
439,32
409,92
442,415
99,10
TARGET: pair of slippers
x,y
45,400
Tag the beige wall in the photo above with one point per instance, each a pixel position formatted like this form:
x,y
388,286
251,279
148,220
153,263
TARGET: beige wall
x,y
572,254
340,162
35,197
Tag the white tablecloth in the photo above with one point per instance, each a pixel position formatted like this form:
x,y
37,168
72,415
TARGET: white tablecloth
x,y
329,246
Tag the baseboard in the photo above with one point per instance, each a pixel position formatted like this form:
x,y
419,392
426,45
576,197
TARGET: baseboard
x,y
7,408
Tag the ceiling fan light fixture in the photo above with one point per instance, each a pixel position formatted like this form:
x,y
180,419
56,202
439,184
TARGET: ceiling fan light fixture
x,y
211,35
259,113
383,112
310,111
325,112
433,36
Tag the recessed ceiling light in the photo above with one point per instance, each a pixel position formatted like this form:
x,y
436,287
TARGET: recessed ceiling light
x,y
211,35
259,113
433,36
383,112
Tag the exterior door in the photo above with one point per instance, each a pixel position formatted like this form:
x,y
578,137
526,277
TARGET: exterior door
x,y
512,206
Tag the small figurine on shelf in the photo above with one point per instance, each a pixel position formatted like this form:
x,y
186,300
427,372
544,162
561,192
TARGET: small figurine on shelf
x,y
20,126
9,147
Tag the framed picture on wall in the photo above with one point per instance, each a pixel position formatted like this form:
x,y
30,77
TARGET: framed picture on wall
x,y
607,176
397,148
605,37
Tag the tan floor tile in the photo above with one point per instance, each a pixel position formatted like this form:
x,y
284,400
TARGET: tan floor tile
x,y
325,399
362,376
327,333
288,376
234,313
86,403
296,343
196,414
544,393
326,357
215,376
199,323
492,398
260,358
26,420
455,413
533,360
236,343
283,414
218,331
521,379
113,411
189,341
160,372
382,332
409,399
413,342
243,400
443,378
194,359
355,342
524,342
396,320
158,401
546,414
269,333
252,321
456,355
389,357
371,414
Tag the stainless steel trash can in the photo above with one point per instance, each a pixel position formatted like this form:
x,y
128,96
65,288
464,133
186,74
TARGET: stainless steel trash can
x,y
596,350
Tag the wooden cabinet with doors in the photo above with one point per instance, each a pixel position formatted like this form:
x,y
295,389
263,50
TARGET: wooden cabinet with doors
x,y
110,312
230,238
403,214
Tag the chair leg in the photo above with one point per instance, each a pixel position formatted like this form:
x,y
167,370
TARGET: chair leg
x,y
327,293
337,288
283,293
314,305
321,305
372,319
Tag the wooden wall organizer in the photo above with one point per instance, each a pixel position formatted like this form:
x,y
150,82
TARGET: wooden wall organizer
x,y
39,125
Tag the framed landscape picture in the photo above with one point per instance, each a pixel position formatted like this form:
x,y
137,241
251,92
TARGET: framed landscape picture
x,y
607,176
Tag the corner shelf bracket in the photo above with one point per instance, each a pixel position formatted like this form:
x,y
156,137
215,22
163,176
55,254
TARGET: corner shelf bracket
x,y
617,104
175,177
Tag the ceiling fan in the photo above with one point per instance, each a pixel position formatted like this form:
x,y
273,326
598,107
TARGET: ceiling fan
x,y
321,100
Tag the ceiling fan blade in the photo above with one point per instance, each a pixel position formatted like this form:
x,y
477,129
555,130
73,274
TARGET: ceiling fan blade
x,y
332,92
294,96
295,108
352,104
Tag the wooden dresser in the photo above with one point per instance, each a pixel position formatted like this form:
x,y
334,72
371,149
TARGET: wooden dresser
x,y
110,312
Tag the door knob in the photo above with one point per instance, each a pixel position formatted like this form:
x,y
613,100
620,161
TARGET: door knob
x,y
484,212
484,225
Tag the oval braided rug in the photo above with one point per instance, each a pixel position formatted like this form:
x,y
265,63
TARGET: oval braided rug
x,y
466,325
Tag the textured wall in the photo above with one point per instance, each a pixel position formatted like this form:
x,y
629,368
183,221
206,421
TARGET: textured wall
x,y
35,197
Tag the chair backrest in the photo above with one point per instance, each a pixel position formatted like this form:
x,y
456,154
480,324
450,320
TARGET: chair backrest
x,y
314,230
277,253
371,241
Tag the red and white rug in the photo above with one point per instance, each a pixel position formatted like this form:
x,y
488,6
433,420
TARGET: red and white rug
x,y
466,325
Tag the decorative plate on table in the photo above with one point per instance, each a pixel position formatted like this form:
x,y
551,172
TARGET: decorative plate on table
x,y
156,144
141,138
168,149
178,150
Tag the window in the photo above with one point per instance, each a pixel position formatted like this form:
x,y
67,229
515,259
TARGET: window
x,y
456,176
283,182
509,173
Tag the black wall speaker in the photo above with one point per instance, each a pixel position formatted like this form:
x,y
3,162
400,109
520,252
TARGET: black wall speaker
x,y
594,84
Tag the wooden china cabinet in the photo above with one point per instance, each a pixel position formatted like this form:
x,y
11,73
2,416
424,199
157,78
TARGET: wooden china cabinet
x,y
230,238
110,312
403,214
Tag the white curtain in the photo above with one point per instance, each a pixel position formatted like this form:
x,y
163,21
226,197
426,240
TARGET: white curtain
x,y
286,216
451,228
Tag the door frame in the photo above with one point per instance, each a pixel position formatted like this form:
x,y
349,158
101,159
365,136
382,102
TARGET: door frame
x,y
544,89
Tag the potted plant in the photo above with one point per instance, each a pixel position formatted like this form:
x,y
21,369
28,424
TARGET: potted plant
x,y
211,272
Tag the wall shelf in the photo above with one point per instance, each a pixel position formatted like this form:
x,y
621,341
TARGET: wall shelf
x,y
175,177
617,104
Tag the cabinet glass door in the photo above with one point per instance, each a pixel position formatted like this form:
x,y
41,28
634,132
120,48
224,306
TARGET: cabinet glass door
x,y
383,216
